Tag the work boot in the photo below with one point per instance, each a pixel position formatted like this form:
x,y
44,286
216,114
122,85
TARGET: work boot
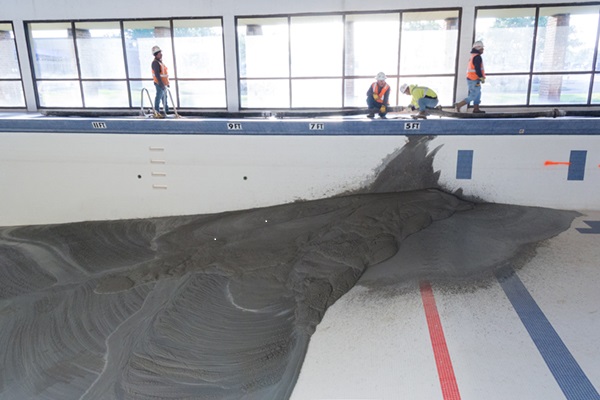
x,y
476,110
421,114
158,115
459,105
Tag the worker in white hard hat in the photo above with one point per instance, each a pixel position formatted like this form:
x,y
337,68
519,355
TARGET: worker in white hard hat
x,y
475,78
422,98
378,96
160,74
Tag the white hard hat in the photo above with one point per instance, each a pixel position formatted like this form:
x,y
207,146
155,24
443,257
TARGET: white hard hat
x,y
478,45
403,88
155,49
381,76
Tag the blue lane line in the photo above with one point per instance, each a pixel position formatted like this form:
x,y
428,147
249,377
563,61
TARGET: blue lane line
x,y
577,165
464,164
567,372
594,227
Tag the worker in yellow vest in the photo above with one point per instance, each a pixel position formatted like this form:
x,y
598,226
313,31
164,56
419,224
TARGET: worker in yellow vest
x,y
475,78
422,98
160,75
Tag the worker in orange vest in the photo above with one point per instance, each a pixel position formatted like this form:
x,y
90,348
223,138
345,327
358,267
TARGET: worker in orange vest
x,y
160,75
475,78
378,97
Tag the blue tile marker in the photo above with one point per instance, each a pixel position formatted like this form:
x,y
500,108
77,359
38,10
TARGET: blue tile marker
x,y
594,227
573,382
577,165
464,164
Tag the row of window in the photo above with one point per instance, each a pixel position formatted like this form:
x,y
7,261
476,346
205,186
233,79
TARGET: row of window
x,y
533,55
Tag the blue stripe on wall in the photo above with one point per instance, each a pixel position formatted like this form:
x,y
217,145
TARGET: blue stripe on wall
x,y
567,372
577,165
464,164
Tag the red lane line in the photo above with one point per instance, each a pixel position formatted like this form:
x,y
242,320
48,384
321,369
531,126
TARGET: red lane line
x,y
438,342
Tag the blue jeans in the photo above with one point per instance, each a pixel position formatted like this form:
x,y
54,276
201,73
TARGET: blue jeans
x,y
474,92
161,95
426,102
371,103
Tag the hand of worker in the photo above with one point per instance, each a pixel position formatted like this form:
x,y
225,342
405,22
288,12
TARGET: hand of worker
x,y
382,109
482,80
375,96
412,108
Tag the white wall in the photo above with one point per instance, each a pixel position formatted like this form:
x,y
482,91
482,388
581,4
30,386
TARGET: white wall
x,y
55,178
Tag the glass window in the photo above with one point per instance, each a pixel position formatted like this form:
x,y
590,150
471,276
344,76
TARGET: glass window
x,y
560,89
53,51
265,93
9,67
138,93
310,93
506,90
100,50
199,48
365,56
263,48
11,86
566,38
140,37
11,94
428,42
59,94
317,46
508,37
596,91
203,94
105,94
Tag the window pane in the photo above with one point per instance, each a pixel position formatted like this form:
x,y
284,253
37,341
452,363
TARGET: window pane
x,y
365,56
11,94
263,48
59,94
355,91
508,37
313,93
199,48
429,41
596,91
265,93
140,37
9,67
205,94
317,46
566,39
560,89
105,94
149,94
100,50
53,51
443,86
137,95
505,90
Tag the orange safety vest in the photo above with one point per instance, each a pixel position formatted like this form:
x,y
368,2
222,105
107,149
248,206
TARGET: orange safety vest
x,y
164,74
383,91
471,74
